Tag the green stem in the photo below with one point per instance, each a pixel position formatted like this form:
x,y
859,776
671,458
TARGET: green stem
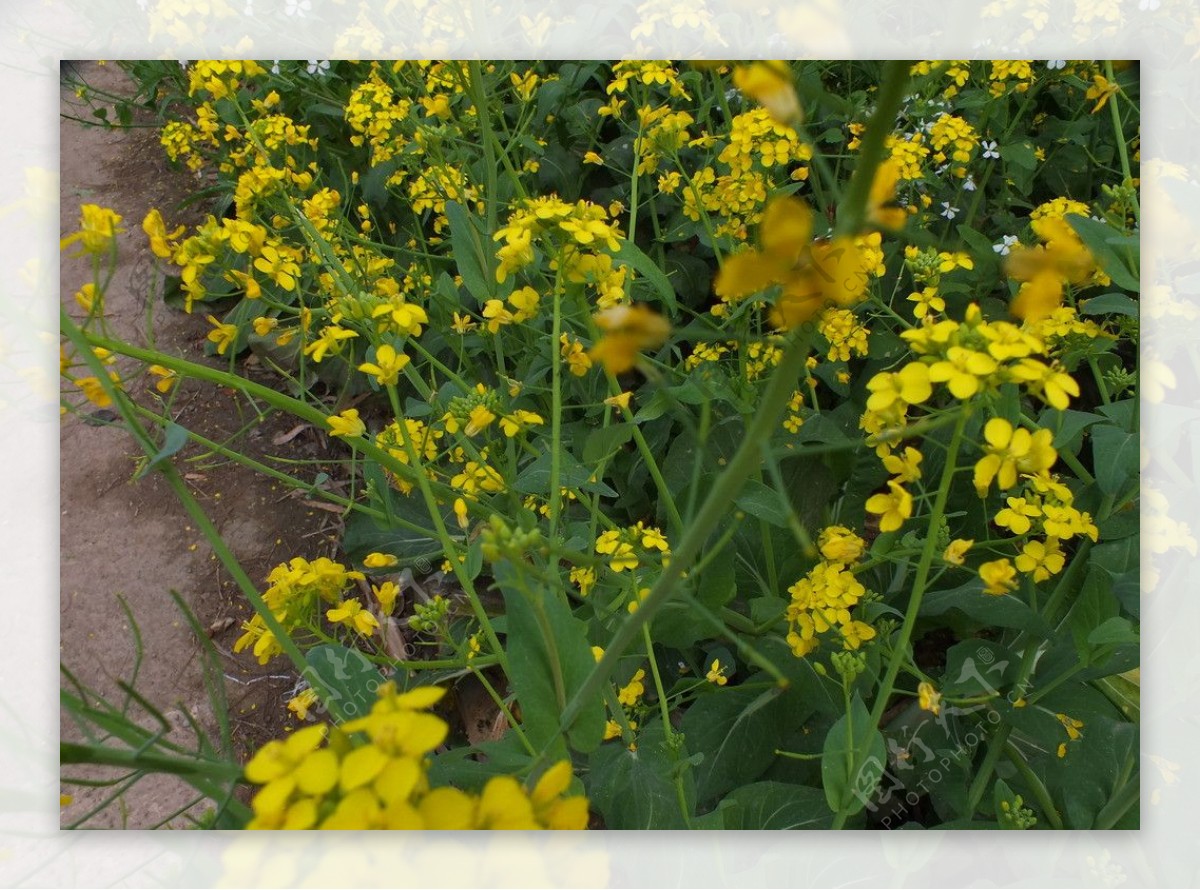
x,y
1118,805
1035,785
1119,133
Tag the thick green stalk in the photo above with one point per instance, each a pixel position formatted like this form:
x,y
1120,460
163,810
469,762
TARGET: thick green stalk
x,y
1119,133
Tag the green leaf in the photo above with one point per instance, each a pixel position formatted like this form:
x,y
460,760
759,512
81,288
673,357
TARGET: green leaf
x,y
1115,252
535,478
467,244
630,254
603,442
977,667
763,502
349,676
853,760
548,660
1109,304
636,789
174,438
776,806
1115,455
1113,630
1068,425
995,611
1019,154
737,730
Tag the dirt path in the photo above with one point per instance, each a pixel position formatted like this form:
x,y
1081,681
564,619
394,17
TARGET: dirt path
x,y
131,540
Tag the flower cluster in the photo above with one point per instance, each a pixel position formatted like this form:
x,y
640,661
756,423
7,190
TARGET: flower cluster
x,y
373,772
822,599
296,590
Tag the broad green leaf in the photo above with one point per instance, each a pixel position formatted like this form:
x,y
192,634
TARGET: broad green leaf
x,y
763,502
535,478
995,611
1019,154
1115,456
1110,304
853,760
977,667
348,674
1115,252
776,806
1067,425
636,789
548,660
1113,630
737,730
467,244
601,443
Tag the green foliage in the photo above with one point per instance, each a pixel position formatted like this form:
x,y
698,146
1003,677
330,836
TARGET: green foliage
x,y
746,564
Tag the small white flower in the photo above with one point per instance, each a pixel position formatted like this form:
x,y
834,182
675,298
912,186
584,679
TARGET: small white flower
x,y
299,8
318,66
1148,5
1006,245
969,184
989,149
275,67
948,211
1056,64
183,64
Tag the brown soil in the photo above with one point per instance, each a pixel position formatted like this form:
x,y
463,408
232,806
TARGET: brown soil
x,y
131,539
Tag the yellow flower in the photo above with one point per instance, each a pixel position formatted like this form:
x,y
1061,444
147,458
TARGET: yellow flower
x,y
905,467
330,342
592,158
716,673
1017,516
770,84
156,231
1100,90
1054,385
97,230
893,508
909,386
346,424
627,331
461,513
386,593
224,335
883,209
619,401
963,370
302,703
998,576
1010,452
1041,558
838,544
511,424
264,325
387,365
631,693
378,560
929,698
167,378
956,551
351,613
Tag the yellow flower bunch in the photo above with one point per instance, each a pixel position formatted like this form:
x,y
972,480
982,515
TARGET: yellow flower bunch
x,y
822,599
626,547
335,778
295,589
